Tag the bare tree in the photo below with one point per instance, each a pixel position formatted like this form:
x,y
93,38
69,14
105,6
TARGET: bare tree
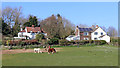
x,y
104,28
112,31
13,17
83,26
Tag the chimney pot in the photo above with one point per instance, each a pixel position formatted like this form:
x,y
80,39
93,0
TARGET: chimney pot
x,y
96,26
77,26
21,29
32,25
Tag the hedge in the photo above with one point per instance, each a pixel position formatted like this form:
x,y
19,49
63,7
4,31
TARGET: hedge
x,y
53,41
64,42
20,42
81,42
99,42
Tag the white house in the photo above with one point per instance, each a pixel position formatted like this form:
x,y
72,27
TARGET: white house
x,y
30,32
100,34
92,33
72,37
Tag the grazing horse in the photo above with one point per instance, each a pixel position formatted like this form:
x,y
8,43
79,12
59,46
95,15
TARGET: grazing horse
x,y
51,50
37,50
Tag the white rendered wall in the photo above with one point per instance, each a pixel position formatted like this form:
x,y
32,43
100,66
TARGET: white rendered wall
x,y
99,30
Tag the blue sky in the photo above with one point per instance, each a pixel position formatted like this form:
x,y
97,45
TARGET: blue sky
x,y
100,13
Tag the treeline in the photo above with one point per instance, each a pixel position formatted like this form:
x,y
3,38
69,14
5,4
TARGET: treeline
x,y
55,25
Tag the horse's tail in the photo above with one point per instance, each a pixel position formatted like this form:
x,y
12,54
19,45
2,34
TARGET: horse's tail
x,y
54,50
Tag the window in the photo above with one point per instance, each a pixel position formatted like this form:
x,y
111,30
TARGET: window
x,y
85,33
86,38
96,33
95,38
101,33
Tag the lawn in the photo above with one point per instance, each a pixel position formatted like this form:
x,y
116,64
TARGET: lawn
x,y
105,55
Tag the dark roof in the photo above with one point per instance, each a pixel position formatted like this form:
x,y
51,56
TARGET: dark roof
x,y
85,29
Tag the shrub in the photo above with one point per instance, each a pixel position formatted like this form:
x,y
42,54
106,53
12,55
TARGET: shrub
x,y
102,42
40,37
80,42
114,40
64,42
99,42
72,42
53,41
96,42
4,43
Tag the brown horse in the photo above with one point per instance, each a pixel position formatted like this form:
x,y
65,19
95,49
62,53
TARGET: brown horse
x,y
51,50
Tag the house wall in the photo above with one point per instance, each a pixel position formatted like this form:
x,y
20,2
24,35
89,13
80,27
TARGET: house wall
x,y
82,36
99,30
77,32
106,38
31,35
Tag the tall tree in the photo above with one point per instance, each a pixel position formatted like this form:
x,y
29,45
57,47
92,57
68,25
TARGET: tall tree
x,y
83,25
5,28
12,17
32,21
57,26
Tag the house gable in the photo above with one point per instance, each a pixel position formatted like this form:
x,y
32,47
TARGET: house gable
x,y
31,32
97,33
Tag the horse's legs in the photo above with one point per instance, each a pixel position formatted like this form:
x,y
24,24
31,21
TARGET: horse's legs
x,y
38,51
48,52
53,52
34,51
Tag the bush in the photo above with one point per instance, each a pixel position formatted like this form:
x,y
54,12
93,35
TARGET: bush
x,y
114,40
102,42
81,42
64,42
99,42
53,41
4,43
40,37
72,42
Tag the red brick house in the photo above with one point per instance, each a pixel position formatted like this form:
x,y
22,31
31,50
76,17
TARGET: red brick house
x,y
84,33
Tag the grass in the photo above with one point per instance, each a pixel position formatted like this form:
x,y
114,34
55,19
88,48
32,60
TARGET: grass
x,y
68,56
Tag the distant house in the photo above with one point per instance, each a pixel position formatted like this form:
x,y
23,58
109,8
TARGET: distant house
x,y
30,32
92,33
99,34
72,37
84,33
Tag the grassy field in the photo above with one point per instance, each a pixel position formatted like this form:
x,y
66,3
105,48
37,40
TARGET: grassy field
x,y
68,56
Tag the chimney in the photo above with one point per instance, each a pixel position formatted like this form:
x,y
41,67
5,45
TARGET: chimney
x,y
77,26
21,29
96,26
33,26
93,26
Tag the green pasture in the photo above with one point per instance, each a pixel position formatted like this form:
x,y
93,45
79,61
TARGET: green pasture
x,y
104,55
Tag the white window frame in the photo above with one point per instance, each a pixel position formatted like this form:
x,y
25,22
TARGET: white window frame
x,y
86,33
95,33
86,38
